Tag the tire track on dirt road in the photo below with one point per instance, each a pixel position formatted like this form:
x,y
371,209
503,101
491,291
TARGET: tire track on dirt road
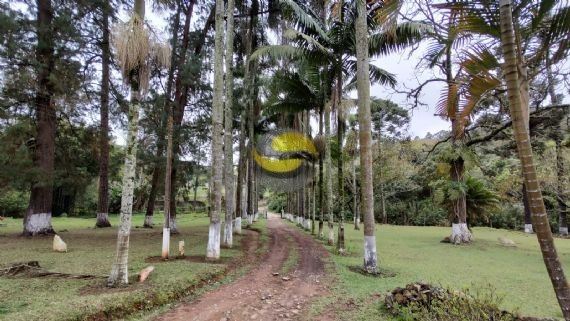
x,y
261,295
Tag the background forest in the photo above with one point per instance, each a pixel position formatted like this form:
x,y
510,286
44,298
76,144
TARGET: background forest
x,y
411,174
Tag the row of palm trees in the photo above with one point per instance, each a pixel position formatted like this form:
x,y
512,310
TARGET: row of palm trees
x,y
327,54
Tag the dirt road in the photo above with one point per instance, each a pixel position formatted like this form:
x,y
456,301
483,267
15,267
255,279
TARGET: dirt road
x,y
262,294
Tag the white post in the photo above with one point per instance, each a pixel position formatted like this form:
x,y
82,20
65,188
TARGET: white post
x,y
165,243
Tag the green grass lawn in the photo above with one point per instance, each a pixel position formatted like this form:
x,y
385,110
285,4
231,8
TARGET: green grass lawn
x,y
409,253
416,254
92,251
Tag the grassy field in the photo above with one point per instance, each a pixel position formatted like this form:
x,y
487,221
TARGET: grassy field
x,y
92,251
408,254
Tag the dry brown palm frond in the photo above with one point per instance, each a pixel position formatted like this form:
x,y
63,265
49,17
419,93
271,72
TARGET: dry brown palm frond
x,y
385,13
320,144
336,9
136,51
144,77
447,105
161,52
132,45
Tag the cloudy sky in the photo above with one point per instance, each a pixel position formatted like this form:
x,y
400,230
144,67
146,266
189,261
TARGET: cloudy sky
x,y
403,66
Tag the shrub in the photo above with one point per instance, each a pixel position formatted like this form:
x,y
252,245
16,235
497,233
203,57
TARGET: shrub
x,y
13,203
506,217
275,202
449,305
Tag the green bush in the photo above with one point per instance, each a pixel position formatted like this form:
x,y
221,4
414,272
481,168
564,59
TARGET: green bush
x,y
457,306
424,213
506,217
275,202
13,203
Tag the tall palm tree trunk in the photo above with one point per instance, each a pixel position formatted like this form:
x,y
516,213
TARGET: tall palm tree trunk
x,y
119,272
364,121
229,180
213,249
355,196
539,215
103,200
328,177
459,231
340,165
38,215
241,197
321,178
168,184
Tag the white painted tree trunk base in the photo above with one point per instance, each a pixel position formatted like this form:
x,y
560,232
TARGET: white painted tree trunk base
x,y
172,226
102,220
460,234
330,240
148,222
237,225
165,243
528,228
228,234
213,249
250,219
39,223
307,224
370,256
563,230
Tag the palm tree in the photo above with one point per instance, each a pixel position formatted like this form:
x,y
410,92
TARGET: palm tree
x,y
228,128
365,141
480,19
133,48
539,215
213,249
332,46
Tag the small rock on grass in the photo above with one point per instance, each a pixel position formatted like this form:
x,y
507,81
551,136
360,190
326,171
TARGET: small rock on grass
x,y
145,273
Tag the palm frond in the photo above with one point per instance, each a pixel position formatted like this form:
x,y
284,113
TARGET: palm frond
x,y
479,60
279,52
385,12
433,54
294,34
405,35
562,51
377,76
478,86
447,104
479,17
544,11
305,19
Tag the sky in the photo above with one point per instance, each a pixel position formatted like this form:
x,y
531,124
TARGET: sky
x,y
403,66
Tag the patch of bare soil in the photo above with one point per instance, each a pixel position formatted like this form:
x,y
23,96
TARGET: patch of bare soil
x,y
263,293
